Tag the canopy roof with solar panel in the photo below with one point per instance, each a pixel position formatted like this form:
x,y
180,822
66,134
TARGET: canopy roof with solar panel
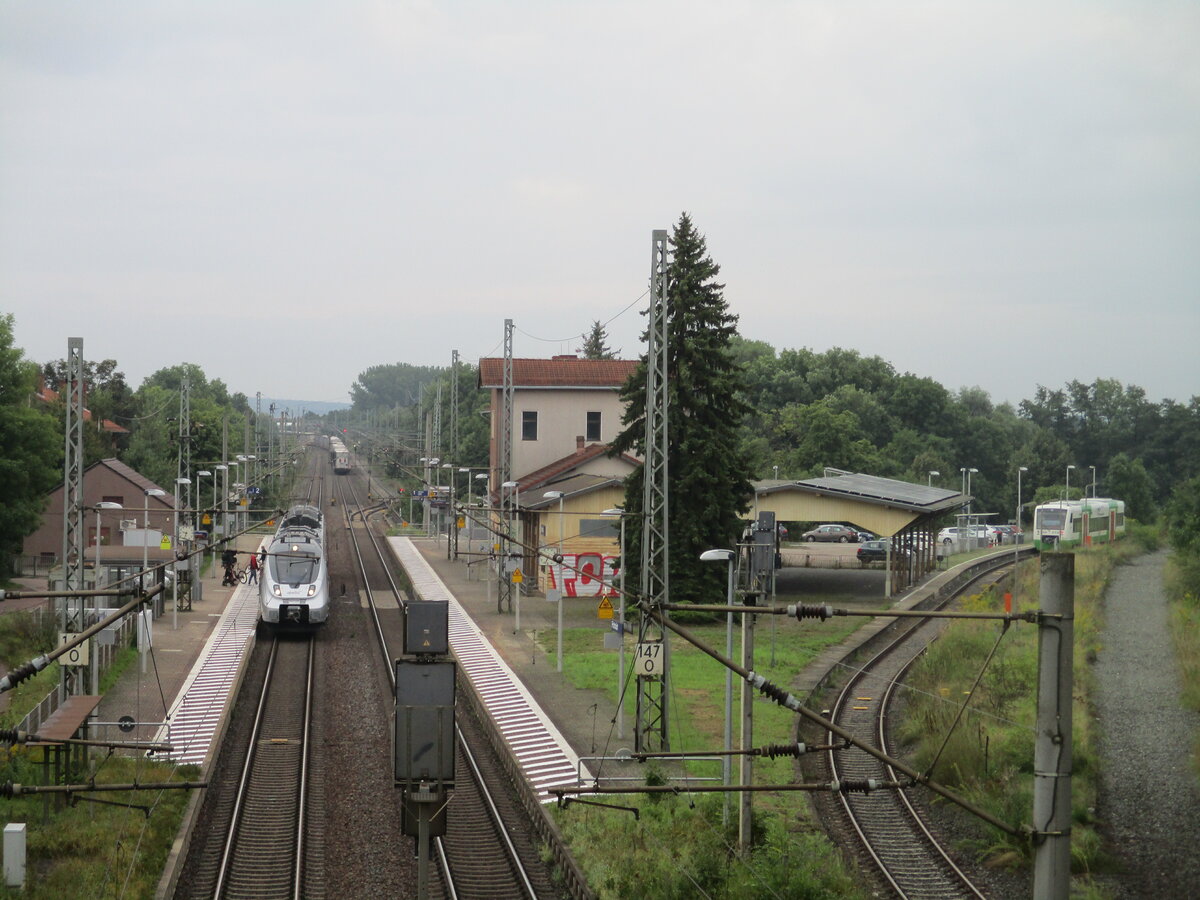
x,y
885,506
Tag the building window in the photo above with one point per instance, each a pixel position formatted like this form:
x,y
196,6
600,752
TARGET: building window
x,y
113,498
593,427
529,425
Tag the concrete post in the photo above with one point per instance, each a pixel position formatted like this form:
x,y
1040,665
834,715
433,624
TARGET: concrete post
x,y
1052,760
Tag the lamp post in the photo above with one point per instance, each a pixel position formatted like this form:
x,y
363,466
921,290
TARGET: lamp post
x,y
933,473
149,492
1093,468
103,504
182,482
726,556
1017,534
220,471
451,523
559,495
197,520
1068,489
775,469
618,511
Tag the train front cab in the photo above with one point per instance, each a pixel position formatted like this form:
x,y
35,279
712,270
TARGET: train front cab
x,y
295,592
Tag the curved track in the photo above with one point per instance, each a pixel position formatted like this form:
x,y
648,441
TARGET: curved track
x,y
903,851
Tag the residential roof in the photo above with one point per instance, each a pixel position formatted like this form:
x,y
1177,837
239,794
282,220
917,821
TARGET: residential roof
x,y
557,470
138,480
570,486
558,372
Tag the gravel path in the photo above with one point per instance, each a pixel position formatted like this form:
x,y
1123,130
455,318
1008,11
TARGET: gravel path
x,y
1150,799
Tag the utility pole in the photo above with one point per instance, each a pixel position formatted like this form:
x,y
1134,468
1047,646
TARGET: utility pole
x,y
1052,759
504,590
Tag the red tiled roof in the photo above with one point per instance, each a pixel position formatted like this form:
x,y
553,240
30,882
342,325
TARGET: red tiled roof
x,y
561,371
552,471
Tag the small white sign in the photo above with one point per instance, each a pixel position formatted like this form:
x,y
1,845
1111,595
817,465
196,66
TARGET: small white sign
x,y
76,656
649,659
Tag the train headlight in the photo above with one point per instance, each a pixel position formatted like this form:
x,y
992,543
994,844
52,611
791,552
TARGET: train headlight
x,y
312,589
276,590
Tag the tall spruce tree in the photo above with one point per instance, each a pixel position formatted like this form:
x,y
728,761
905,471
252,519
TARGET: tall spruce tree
x,y
595,343
708,491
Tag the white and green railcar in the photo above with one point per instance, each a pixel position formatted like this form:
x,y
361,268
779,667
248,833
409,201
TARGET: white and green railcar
x,y
1075,523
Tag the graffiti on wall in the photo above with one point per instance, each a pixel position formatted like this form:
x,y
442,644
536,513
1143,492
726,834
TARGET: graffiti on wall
x,y
583,575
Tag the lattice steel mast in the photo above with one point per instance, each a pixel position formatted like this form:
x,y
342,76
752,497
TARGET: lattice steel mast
x,y
651,732
504,473
74,538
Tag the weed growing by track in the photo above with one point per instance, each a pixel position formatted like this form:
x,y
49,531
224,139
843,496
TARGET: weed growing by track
x,y
989,757
677,847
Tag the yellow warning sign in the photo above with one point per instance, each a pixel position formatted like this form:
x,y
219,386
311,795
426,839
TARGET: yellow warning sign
x,y
605,609
517,577
165,543
207,520
270,523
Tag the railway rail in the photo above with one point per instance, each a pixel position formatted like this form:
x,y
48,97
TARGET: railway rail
x,y
893,837
264,851
487,851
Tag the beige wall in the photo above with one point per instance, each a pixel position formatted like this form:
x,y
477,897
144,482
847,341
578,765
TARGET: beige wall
x,y
562,418
803,506
593,555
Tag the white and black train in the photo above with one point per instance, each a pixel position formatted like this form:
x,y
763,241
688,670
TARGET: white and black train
x,y
339,456
294,582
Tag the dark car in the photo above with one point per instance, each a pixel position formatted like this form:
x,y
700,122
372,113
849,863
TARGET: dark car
x,y
872,551
843,534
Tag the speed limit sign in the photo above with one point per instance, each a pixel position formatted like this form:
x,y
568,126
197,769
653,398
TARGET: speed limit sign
x,y
649,659
76,656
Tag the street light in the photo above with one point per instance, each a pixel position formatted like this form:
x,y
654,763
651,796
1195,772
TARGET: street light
x,y
559,496
1093,468
182,482
776,471
103,504
619,511
221,469
933,473
726,556
149,492
1068,490
451,523
1017,534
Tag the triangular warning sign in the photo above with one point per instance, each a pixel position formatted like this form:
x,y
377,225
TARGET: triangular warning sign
x,y
517,577
605,603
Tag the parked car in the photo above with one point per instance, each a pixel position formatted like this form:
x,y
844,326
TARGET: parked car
x,y
1006,534
843,534
872,551
867,536
962,533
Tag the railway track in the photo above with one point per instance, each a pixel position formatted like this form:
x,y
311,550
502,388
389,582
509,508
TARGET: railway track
x,y
487,851
894,839
265,848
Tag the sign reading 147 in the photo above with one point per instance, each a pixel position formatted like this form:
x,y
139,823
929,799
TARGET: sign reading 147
x,y
649,659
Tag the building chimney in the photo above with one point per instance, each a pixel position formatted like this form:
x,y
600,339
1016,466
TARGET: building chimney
x,y
578,442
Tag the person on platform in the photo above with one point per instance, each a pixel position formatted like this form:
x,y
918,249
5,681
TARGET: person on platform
x,y
253,569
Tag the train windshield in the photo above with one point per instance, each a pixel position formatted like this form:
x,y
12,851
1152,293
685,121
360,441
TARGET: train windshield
x,y
1051,518
294,564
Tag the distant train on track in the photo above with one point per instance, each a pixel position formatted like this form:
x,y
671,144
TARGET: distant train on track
x,y
1074,523
339,456
294,584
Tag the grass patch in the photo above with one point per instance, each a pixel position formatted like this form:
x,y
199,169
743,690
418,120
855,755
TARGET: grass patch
x,y
678,847
96,849
1183,592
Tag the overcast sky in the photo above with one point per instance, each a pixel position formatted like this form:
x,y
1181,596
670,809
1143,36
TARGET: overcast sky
x,y
995,194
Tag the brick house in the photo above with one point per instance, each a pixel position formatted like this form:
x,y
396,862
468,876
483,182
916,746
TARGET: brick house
x,y
122,532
